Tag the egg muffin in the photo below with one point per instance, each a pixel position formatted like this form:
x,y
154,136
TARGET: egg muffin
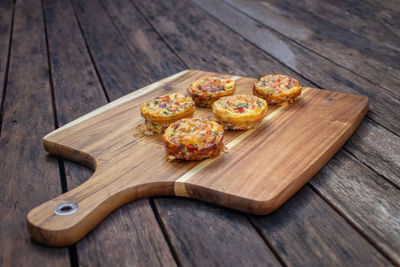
x,y
193,139
277,88
205,91
163,110
239,112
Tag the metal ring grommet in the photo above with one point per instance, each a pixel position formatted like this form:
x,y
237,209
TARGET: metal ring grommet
x,y
66,209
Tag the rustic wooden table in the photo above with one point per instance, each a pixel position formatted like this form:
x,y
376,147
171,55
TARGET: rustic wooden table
x,y
61,59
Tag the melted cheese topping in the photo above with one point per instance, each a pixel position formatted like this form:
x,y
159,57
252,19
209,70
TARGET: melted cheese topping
x,y
211,86
167,106
276,84
240,105
194,134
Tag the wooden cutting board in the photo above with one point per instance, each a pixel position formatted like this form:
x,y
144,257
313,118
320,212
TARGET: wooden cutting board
x,y
262,168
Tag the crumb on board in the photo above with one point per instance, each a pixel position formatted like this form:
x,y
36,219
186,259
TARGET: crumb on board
x,y
170,158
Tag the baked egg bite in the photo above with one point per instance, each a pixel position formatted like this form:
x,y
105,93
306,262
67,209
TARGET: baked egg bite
x,y
277,88
239,112
163,110
205,91
193,139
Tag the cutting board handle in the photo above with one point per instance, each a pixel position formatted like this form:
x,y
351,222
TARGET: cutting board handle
x,y
67,218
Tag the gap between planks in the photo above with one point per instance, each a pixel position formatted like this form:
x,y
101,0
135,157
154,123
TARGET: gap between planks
x,y
7,67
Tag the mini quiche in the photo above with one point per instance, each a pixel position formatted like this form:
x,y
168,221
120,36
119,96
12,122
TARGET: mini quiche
x,y
239,112
205,91
277,88
193,139
163,110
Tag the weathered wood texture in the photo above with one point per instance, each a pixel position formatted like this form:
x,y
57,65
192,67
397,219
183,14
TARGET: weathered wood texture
x,y
319,124
376,146
164,13
385,13
307,213
319,70
82,249
164,38
6,11
220,247
187,29
155,58
381,104
131,236
112,56
28,175
200,250
366,47
191,15
370,203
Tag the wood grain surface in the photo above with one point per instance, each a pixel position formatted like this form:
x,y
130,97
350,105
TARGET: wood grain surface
x,y
185,16
23,163
262,169
108,47
161,60
375,143
77,91
368,48
124,244
346,215
285,227
304,61
166,18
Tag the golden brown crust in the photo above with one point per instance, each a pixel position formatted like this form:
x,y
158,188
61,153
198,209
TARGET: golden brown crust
x,y
205,91
163,110
277,88
193,139
240,112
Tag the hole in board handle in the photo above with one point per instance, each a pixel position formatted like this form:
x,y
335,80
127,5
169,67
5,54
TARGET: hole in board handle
x,y
66,209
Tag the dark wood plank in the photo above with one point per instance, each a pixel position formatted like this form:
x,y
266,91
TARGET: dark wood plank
x,y
377,148
221,248
28,176
370,203
330,239
313,23
385,13
205,44
374,21
124,74
131,235
170,21
311,66
200,236
6,10
155,58
129,238
77,88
